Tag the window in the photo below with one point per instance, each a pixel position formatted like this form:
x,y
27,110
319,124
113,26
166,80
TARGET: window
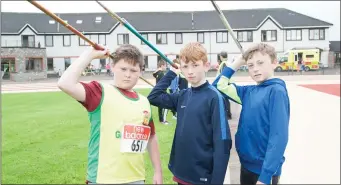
x,y
102,39
50,64
48,40
245,36
102,63
200,37
67,62
146,66
161,38
122,39
34,64
178,38
82,42
28,40
79,22
316,34
269,35
294,35
66,40
145,36
283,59
158,59
221,37
98,19
309,56
94,38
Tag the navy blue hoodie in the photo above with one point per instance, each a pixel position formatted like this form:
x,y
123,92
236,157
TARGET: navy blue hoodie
x,y
262,134
202,139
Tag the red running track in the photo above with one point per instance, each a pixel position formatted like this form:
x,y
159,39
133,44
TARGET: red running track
x,y
333,89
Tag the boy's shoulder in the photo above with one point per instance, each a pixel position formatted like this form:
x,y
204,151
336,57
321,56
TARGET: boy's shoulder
x,y
214,94
279,89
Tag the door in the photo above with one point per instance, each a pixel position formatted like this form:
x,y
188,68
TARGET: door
x,y
7,66
27,41
24,41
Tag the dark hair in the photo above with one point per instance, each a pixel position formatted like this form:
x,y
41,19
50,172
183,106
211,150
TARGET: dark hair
x,y
160,63
223,54
130,54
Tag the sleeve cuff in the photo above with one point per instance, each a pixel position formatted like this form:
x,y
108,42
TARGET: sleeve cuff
x,y
265,178
228,72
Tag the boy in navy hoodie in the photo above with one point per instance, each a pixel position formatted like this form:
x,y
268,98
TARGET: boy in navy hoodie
x,y
262,134
202,139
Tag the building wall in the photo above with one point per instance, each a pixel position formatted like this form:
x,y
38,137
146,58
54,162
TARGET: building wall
x,y
59,52
21,55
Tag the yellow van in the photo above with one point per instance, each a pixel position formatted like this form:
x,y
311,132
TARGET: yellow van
x,y
311,59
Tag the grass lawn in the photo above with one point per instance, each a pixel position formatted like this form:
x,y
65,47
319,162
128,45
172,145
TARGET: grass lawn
x,y
45,139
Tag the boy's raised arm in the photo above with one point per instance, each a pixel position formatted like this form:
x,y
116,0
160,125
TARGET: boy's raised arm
x,y
69,81
222,82
159,96
222,141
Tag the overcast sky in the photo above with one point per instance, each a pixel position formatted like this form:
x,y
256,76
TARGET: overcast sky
x,y
324,10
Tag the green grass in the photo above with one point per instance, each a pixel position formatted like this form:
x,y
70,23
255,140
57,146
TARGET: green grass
x,y
45,138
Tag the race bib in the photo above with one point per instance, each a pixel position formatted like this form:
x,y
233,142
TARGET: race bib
x,y
135,138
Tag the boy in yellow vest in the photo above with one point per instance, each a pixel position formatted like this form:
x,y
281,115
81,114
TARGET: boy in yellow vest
x,y
223,64
121,125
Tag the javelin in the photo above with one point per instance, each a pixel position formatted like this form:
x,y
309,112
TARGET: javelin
x,y
227,25
61,21
137,34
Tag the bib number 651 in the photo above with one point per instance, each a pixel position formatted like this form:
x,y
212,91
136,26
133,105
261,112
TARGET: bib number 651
x,y
136,146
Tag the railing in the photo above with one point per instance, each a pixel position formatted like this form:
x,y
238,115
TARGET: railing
x,y
20,44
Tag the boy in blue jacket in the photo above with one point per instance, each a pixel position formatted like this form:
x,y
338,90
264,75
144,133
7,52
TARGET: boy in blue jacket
x,y
262,134
202,139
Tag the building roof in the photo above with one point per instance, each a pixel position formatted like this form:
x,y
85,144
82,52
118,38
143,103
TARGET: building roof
x,y
14,23
334,46
253,19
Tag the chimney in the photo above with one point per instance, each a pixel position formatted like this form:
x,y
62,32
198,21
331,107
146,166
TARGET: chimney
x,y
192,21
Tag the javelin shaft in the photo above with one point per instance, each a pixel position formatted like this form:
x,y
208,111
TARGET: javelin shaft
x,y
58,19
227,25
61,21
136,33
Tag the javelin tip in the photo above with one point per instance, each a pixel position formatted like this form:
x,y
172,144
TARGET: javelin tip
x,y
215,6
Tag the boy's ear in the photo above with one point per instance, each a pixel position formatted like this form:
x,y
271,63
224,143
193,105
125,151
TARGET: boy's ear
x,y
275,61
207,65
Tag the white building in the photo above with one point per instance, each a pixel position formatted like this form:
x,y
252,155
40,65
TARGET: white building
x,y
168,31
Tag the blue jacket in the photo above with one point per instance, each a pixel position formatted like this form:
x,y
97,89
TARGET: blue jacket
x,y
262,134
202,139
